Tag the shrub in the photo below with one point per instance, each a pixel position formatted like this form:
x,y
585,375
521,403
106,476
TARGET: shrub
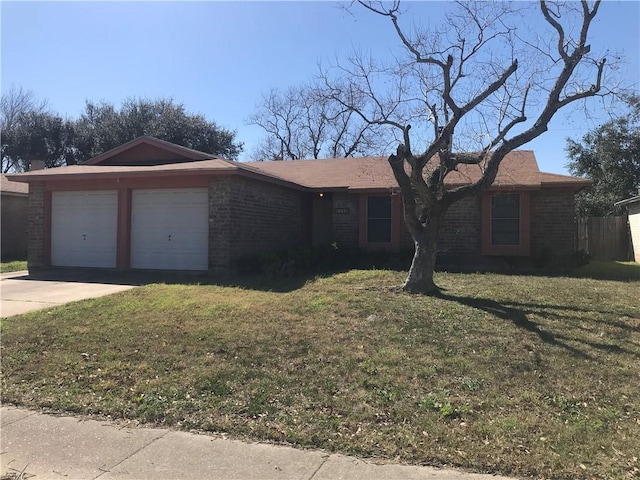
x,y
321,259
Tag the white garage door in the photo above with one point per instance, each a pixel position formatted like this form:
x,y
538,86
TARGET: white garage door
x,y
84,229
170,229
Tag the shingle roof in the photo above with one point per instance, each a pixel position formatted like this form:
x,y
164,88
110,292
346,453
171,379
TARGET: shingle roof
x,y
518,169
215,166
13,188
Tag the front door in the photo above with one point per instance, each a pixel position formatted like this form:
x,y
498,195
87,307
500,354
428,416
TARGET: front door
x,y
322,219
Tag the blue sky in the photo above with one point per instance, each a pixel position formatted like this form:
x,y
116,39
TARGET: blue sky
x,y
219,57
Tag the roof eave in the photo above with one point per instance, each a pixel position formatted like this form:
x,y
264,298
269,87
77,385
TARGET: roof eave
x,y
28,177
628,201
9,193
575,185
231,169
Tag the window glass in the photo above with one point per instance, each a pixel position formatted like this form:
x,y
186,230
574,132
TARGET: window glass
x,y
379,219
505,219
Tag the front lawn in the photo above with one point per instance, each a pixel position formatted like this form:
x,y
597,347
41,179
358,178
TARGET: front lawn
x,y
510,374
623,271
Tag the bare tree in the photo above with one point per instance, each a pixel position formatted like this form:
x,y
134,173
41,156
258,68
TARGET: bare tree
x,y
304,122
474,90
18,107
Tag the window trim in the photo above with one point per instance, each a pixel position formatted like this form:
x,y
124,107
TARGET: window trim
x,y
389,218
523,249
396,222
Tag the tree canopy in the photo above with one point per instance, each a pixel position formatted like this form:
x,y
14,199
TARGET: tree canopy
x,y
102,127
31,131
610,156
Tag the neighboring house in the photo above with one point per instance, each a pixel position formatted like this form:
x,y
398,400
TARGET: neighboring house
x,y
14,206
149,204
633,209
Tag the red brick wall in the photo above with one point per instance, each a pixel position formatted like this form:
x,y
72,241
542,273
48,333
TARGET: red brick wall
x,y
460,237
15,210
248,217
346,219
36,226
460,240
553,221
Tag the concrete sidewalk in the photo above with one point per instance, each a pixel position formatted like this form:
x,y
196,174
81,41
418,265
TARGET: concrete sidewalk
x,y
62,447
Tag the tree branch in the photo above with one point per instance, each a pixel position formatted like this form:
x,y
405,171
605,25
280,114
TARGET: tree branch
x,y
555,24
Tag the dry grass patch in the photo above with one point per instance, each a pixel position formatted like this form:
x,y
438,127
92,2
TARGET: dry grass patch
x,y
517,375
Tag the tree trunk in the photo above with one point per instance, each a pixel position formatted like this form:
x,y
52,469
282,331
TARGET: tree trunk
x,y
420,278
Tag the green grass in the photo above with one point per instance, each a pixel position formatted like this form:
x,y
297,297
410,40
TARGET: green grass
x,y
528,376
13,266
623,271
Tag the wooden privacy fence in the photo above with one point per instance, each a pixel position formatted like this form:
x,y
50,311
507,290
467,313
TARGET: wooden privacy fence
x,y
604,238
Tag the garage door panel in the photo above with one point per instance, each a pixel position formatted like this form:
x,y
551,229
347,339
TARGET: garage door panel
x,y
84,229
169,229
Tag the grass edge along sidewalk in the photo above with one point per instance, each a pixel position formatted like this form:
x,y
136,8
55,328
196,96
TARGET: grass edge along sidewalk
x,y
47,446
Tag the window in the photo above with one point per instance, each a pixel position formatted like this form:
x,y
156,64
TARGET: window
x,y
506,223
505,219
379,219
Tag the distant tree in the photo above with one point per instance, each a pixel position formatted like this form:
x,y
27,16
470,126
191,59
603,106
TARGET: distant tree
x,y
30,131
303,122
102,127
610,156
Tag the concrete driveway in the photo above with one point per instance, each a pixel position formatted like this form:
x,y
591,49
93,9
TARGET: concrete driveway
x,y
22,293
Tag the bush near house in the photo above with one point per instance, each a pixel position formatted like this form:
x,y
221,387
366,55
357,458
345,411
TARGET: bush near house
x,y
310,260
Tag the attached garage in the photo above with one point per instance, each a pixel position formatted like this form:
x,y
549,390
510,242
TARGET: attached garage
x,y
84,229
153,205
170,229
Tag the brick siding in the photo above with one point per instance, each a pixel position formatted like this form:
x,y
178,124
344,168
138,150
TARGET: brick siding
x,y
346,219
15,211
248,217
553,222
460,238
460,235
35,226
219,224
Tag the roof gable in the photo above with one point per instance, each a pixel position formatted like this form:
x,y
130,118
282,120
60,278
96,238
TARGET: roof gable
x,y
148,151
